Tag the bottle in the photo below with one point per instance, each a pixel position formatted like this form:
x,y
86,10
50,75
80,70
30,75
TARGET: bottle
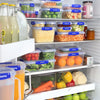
x,y
0,28
13,23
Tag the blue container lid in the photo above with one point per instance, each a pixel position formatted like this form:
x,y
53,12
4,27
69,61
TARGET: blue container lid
x,y
79,23
64,28
37,22
51,9
44,28
65,23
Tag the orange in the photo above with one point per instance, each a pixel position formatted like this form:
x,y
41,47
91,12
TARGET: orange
x,y
72,57
78,60
70,61
64,57
61,62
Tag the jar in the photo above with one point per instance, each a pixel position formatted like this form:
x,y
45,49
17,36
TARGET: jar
x,y
85,30
87,9
90,34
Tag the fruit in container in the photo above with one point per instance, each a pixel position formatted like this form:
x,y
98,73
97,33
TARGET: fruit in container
x,y
60,85
61,62
78,60
76,97
68,97
70,84
82,96
70,61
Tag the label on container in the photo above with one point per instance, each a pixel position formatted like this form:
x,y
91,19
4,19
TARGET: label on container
x,y
4,76
73,54
54,10
76,11
46,28
73,49
15,67
76,5
42,62
73,33
32,23
80,23
66,23
31,4
66,28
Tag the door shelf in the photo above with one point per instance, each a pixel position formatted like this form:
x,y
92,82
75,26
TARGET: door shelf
x,y
61,92
13,50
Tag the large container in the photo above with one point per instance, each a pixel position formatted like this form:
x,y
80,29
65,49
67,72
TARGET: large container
x,y
69,36
69,59
64,24
43,34
40,65
51,4
64,29
38,23
72,14
7,83
51,13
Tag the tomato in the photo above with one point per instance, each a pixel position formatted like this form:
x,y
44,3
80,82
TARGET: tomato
x,y
28,59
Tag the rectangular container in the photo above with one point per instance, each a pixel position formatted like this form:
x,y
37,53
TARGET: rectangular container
x,y
72,14
78,26
64,29
50,24
51,13
69,36
40,65
38,23
69,59
51,3
64,24
43,34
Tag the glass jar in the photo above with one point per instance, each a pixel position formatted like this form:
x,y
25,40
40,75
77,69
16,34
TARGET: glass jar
x,y
90,34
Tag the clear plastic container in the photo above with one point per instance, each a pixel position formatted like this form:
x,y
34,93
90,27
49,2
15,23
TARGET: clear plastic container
x,y
43,34
7,77
69,59
64,24
40,65
38,23
32,56
70,36
51,4
50,24
78,26
51,13
72,14
64,29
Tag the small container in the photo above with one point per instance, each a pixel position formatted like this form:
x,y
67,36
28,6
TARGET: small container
x,y
69,36
69,59
38,23
43,34
64,24
51,13
90,34
50,24
40,65
78,26
32,56
72,14
51,4
87,9
64,29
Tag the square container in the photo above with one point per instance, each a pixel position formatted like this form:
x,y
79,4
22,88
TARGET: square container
x,y
43,34
38,23
64,29
32,56
64,24
51,4
69,59
69,36
40,65
51,13
72,14
50,24
78,26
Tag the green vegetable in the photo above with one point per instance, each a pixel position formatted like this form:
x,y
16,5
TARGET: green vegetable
x,y
27,8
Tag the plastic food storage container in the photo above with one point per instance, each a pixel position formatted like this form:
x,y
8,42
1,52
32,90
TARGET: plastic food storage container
x,y
43,34
69,59
40,65
38,23
47,54
32,56
64,29
51,13
78,26
72,14
73,6
50,24
7,77
47,81
64,24
51,4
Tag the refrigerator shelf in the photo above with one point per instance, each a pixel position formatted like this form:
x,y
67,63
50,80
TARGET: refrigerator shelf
x,y
61,92
13,50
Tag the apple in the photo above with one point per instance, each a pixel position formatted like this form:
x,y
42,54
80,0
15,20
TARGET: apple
x,y
68,97
76,97
86,98
82,95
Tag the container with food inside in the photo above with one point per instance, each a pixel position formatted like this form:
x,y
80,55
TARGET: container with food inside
x,y
50,24
64,59
64,24
51,4
38,23
78,26
40,65
51,13
64,29
72,14
43,34
71,6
